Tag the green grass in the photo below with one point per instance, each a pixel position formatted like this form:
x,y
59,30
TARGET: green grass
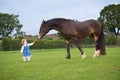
x,y
51,64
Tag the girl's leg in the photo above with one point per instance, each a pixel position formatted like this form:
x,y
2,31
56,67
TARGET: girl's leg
x,y
24,59
28,58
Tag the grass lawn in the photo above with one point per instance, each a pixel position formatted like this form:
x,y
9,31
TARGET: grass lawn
x,y
50,64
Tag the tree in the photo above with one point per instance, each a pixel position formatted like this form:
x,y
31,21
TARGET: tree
x,y
110,18
8,24
59,35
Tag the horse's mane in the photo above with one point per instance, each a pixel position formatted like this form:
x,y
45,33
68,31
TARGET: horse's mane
x,y
75,20
62,19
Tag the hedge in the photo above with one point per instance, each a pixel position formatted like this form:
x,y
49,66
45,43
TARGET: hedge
x,y
111,40
9,44
47,44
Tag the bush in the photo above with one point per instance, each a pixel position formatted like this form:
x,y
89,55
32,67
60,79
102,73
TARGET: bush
x,y
110,40
87,41
9,44
48,44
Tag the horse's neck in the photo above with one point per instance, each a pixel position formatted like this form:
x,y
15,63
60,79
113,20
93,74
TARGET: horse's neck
x,y
60,24
57,26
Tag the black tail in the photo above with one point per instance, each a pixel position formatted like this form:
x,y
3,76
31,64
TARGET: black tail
x,y
101,43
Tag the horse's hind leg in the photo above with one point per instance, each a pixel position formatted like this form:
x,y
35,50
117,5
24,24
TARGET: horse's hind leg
x,y
68,48
77,43
97,52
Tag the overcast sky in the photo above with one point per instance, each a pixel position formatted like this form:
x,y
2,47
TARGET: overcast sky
x,y
32,12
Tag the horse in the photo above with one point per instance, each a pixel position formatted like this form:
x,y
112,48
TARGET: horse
x,y
74,31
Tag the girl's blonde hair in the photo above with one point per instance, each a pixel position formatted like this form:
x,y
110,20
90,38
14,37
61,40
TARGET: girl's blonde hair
x,y
22,41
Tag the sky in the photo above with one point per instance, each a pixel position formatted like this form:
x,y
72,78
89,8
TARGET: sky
x,y
32,12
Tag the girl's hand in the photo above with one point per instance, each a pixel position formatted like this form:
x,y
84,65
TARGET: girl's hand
x,y
34,41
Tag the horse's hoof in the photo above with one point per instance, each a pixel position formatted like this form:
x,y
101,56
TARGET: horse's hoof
x,y
84,56
67,57
97,53
94,56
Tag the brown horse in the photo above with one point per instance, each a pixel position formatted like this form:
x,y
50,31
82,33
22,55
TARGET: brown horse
x,y
74,31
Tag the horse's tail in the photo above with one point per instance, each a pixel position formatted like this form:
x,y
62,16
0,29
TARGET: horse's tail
x,y
101,43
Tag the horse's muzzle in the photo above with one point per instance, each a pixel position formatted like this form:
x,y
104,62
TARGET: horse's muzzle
x,y
39,36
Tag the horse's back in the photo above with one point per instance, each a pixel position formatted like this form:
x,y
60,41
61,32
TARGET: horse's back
x,y
94,24
87,28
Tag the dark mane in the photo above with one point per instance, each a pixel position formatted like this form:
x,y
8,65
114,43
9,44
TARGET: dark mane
x,y
61,20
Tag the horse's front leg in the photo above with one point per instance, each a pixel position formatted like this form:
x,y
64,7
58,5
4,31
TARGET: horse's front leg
x,y
68,49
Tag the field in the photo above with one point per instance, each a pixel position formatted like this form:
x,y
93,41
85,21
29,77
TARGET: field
x,y
50,64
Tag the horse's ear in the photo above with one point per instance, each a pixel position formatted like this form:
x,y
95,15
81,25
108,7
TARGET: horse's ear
x,y
43,21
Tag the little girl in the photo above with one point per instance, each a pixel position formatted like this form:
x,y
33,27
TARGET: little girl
x,y
26,50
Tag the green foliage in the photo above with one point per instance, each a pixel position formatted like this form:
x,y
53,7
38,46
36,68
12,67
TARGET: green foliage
x,y
87,41
50,64
0,45
59,35
48,44
6,44
111,40
9,44
9,23
110,17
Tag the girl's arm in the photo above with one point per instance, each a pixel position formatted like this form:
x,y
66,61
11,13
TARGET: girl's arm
x,y
30,44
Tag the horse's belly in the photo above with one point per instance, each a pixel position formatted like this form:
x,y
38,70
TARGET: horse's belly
x,y
82,35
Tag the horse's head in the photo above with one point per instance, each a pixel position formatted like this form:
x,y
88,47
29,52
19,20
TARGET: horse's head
x,y
44,29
